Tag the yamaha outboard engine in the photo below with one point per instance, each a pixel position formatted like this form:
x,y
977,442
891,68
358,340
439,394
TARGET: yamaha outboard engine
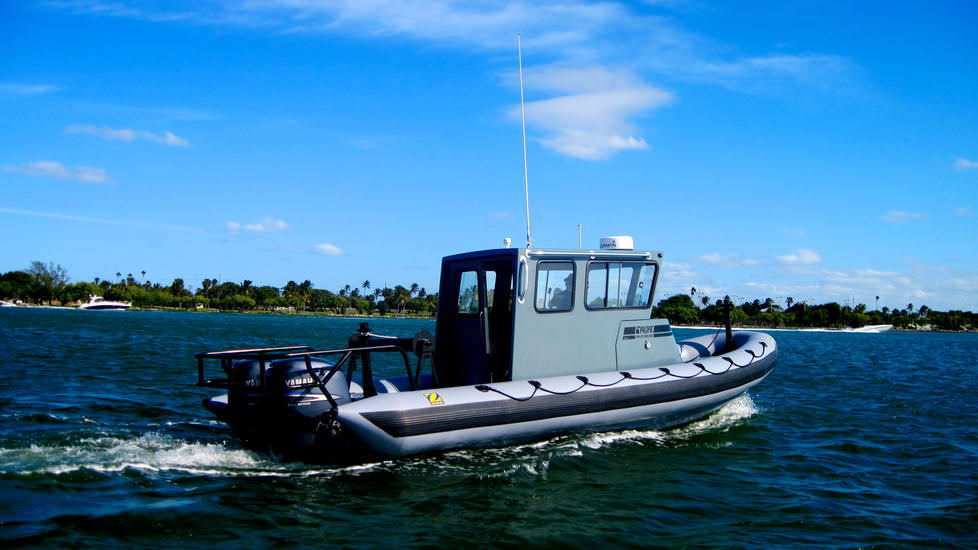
x,y
287,407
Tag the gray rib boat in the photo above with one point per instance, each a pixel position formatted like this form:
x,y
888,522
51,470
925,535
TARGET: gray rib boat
x,y
530,343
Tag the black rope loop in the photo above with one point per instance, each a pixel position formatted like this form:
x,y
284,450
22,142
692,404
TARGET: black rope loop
x,y
703,367
633,377
583,384
670,373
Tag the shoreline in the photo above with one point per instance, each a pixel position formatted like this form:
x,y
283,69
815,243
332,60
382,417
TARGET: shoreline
x,y
432,318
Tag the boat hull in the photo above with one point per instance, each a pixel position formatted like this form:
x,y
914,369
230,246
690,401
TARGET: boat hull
x,y
403,423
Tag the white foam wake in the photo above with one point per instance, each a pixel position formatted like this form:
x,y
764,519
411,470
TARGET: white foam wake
x,y
150,453
535,458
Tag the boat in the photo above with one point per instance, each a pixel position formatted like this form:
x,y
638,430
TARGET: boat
x,y
4,303
100,303
529,343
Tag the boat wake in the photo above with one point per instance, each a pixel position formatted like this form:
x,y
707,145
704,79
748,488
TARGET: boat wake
x,y
156,453
534,459
151,454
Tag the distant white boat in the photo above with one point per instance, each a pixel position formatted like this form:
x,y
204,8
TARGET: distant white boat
x,y
98,302
873,328
4,303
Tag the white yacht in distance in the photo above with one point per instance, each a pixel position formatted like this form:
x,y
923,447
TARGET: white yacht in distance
x,y
98,302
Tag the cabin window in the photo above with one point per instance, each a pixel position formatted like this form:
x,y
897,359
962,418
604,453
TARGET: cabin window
x,y
468,293
617,285
555,286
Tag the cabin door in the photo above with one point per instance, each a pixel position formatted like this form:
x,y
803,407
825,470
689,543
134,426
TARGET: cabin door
x,y
474,335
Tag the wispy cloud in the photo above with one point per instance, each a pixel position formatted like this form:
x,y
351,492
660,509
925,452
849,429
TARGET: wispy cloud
x,y
802,256
593,64
592,118
266,225
327,249
26,89
86,219
899,216
965,164
128,135
728,260
793,231
964,212
500,215
52,169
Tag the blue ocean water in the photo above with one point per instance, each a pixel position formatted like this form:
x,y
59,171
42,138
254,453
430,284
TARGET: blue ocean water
x,y
855,440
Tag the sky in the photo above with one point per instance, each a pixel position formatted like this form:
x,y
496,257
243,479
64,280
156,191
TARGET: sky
x,y
819,150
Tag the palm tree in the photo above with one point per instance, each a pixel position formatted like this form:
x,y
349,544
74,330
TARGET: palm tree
x,y
877,303
705,300
692,291
118,275
144,274
365,285
414,289
790,301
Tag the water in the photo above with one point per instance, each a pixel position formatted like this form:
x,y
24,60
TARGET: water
x,y
855,440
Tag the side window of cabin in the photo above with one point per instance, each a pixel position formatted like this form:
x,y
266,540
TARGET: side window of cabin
x,y
555,286
615,285
490,289
468,293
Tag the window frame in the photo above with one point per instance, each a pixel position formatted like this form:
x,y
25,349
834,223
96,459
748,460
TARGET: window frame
x,y
587,283
536,285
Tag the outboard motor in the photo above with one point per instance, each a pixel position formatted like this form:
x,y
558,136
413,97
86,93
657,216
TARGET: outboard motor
x,y
287,401
246,392
295,400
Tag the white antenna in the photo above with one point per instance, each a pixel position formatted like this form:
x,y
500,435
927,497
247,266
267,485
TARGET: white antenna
x,y
580,236
526,179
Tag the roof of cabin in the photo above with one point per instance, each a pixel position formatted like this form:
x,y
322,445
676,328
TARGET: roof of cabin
x,y
542,253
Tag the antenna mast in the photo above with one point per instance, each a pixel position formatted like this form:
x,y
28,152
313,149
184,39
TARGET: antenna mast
x,y
526,179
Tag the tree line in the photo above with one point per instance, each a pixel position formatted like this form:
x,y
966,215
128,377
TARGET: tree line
x,y
680,309
48,284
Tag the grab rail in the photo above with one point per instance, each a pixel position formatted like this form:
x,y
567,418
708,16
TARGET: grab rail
x,y
262,355
347,353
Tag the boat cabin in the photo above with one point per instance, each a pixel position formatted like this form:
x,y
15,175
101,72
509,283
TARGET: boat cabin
x,y
523,313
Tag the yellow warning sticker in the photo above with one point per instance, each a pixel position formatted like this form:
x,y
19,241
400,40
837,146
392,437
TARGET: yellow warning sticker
x,y
434,399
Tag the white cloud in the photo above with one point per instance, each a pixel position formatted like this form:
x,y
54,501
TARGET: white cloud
x,y
52,169
500,215
592,62
964,212
266,225
85,219
128,135
965,164
794,231
802,256
772,73
898,216
27,89
592,118
327,249
728,260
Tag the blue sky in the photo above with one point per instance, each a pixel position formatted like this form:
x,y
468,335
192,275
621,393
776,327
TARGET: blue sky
x,y
826,151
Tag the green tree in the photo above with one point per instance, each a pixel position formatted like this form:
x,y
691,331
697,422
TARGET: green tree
x,y
50,278
679,309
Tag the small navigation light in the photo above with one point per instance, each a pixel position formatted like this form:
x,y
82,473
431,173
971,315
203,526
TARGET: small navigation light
x,y
619,242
